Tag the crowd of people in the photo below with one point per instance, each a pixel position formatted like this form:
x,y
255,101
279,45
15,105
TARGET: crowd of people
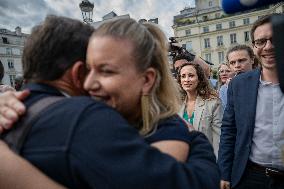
x,y
123,120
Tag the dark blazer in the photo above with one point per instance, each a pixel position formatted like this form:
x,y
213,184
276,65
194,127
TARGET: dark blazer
x,y
82,143
238,126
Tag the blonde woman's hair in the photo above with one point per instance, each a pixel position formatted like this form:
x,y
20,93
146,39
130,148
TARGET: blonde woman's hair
x,y
218,74
150,50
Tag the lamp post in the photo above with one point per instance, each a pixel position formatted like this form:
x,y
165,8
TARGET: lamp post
x,y
87,11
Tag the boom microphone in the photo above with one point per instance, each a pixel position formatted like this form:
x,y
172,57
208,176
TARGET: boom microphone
x,y
233,6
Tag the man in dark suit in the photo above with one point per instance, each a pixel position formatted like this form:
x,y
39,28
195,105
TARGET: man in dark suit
x,y
82,143
251,143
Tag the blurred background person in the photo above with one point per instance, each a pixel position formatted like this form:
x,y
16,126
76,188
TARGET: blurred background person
x,y
19,80
202,107
3,87
225,74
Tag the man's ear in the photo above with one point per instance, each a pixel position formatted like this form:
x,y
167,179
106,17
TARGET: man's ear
x,y
78,73
150,76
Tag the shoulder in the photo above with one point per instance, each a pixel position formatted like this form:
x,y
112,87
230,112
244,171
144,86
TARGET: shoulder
x,y
171,128
213,100
83,110
255,73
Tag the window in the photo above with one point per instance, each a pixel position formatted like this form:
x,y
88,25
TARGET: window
x,y
218,27
246,34
208,57
232,24
205,29
183,46
5,40
220,40
233,38
204,18
11,64
12,79
221,57
189,46
8,51
187,32
18,41
206,43
210,3
246,21
217,15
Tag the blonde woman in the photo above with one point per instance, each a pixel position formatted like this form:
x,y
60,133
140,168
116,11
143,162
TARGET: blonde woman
x,y
129,71
202,107
225,73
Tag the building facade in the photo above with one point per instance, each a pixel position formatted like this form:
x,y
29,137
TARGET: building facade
x,y
207,31
11,50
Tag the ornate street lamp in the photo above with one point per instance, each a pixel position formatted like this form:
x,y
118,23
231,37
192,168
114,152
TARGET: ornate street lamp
x,y
87,11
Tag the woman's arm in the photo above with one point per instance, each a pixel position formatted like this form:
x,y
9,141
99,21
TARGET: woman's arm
x,y
177,149
16,172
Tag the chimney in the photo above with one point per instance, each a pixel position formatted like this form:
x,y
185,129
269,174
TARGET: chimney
x,y
18,30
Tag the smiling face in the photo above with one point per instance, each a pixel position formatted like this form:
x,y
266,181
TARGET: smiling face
x,y
266,53
188,78
113,77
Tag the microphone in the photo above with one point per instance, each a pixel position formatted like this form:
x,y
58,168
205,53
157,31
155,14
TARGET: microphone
x,y
233,6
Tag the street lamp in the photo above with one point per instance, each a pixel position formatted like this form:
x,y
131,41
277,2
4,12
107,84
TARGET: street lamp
x,y
87,11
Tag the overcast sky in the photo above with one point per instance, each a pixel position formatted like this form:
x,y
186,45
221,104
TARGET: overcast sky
x,y
27,13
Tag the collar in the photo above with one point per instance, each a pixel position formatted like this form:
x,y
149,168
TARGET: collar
x,y
44,88
262,82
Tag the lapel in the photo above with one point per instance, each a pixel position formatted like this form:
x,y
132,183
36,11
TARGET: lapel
x,y
199,108
251,91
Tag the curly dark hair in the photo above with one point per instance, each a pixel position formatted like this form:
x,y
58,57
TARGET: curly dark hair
x,y
203,88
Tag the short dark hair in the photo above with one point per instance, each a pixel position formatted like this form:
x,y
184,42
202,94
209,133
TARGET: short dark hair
x,y
53,47
239,48
1,71
246,48
262,20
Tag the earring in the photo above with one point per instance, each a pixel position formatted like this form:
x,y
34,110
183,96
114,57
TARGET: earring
x,y
202,91
145,108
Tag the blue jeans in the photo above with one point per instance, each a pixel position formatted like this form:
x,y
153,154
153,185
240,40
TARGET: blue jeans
x,y
255,179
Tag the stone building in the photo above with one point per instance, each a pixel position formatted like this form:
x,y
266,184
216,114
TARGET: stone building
x,y
207,31
11,49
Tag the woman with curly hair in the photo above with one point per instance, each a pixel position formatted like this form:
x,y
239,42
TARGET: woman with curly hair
x,y
202,107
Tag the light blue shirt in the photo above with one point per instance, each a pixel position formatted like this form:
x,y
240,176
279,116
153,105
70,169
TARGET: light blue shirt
x,y
223,95
268,137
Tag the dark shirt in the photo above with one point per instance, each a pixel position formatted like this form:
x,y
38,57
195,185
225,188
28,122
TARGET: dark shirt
x,y
172,128
82,143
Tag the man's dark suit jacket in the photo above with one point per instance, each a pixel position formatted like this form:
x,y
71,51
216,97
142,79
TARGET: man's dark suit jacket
x,y
238,126
82,143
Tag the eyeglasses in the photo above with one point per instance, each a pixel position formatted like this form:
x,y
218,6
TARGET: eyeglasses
x,y
261,43
224,71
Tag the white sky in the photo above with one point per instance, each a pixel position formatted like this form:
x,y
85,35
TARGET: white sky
x,y
27,13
